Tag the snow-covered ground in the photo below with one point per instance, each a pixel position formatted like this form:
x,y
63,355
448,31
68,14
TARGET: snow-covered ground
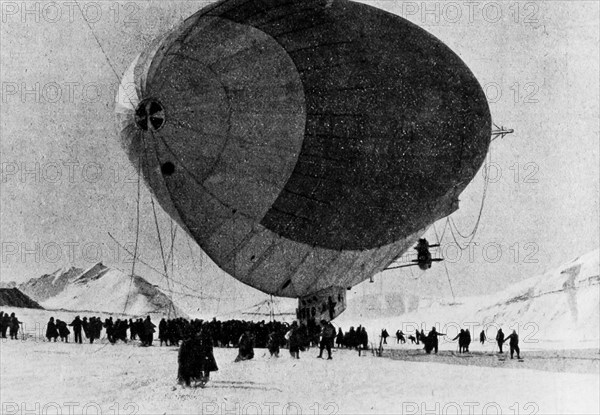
x,y
557,316
44,377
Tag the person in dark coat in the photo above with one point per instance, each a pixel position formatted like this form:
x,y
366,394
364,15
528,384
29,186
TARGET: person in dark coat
x,y
327,339
162,332
148,331
339,340
500,339
482,337
363,339
467,340
5,324
295,340
77,325
350,339
461,340
63,330
85,325
196,359
514,344
431,341
273,344
108,326
132,330
384,335
51,330
92,329
14,326
246,347
95,327
120,331
400,337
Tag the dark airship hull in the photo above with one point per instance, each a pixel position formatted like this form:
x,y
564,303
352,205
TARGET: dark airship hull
x,y
304,144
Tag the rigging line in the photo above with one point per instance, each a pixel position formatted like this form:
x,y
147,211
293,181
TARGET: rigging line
x,y
445,267
97,41
172,253
456,241
159,272
181,293
219,297
444,230
137,231
171,256
193,259
102,49
483,198
162,252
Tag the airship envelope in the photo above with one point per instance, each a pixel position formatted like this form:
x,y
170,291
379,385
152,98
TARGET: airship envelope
x,y
304,145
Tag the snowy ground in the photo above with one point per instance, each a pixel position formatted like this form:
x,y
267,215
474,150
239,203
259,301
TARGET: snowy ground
x,y
44,377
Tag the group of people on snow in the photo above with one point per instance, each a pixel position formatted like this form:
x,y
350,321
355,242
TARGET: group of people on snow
x,y
92,329
357,339
9,323
196,358
431,342
197,338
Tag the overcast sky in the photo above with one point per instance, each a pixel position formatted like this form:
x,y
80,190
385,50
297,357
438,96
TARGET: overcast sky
x,y
538,63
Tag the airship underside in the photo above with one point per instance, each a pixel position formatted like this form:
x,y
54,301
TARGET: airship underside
x,y
303,144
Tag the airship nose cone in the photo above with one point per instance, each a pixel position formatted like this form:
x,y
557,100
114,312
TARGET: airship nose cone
x,y
150,115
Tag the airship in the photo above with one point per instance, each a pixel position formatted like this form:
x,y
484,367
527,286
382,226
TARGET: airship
x,y
304,145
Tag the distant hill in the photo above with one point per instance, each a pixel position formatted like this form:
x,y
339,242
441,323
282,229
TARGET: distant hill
x,y
49,285
10,284
99,289
12,297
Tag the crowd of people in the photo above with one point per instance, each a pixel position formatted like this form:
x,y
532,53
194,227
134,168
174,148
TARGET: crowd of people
x,y
245,335
197,338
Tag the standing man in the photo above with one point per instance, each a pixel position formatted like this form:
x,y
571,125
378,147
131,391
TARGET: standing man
x,y
514,344
461,340
467,340
431,341
327,338
148,331
108,325
5,324
77,324
482,337
246,346
500,339
14,326
384,335
293,337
